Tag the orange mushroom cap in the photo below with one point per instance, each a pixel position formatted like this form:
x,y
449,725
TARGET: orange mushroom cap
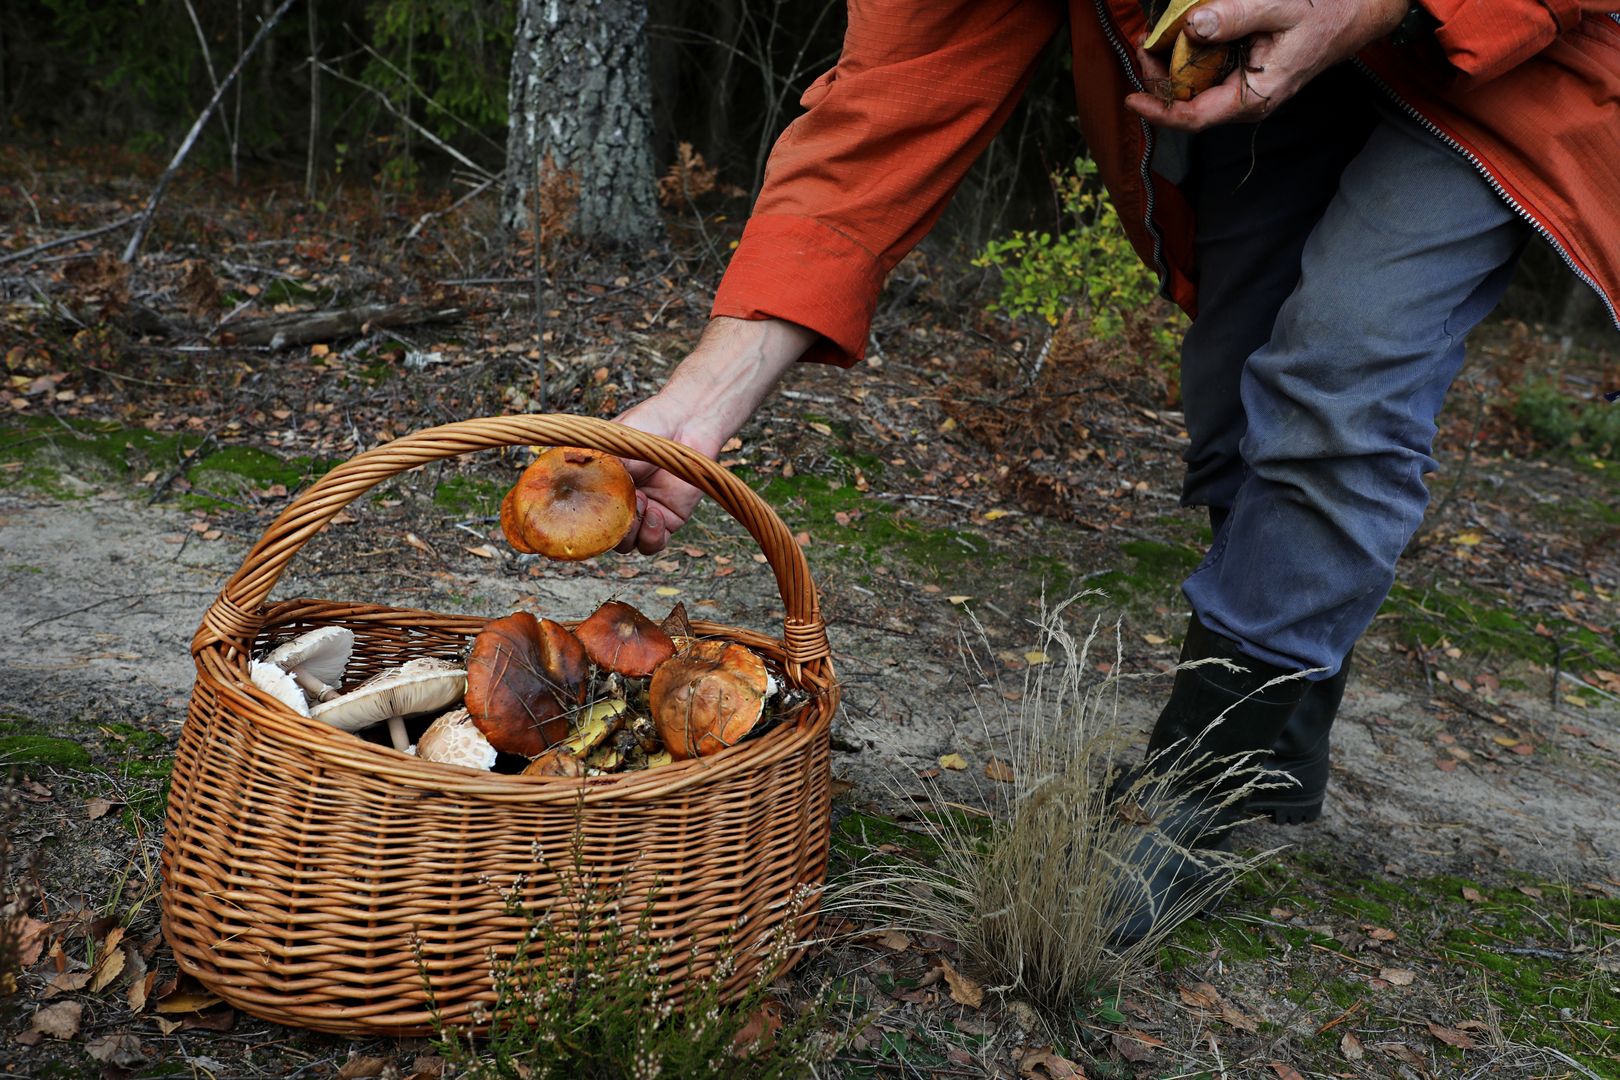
x,y
571,503
707,697
621,639
564,663
509,695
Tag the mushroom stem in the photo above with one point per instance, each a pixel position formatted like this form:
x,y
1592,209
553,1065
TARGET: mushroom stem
x,y
313,686
396,732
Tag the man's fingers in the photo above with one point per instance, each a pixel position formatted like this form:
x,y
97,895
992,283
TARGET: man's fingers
x,y
1227,103
1229,20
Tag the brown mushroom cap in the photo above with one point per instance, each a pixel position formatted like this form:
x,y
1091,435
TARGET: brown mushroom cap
x,y
558,761
1195,68
620,639
707,697
571,503
564,663
509,695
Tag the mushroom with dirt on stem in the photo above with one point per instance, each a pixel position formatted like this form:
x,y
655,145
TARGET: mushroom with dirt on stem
x,y
423,685
316,660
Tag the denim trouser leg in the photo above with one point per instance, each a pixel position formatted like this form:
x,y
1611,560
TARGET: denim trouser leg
x,y
1340,402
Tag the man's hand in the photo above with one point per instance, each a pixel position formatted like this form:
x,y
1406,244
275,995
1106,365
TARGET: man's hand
x,y
1291,42
708,398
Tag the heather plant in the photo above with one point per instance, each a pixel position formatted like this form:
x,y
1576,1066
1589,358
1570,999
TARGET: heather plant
x,y
588,993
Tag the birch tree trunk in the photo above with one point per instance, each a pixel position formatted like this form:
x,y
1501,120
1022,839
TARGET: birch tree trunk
x,y
581,101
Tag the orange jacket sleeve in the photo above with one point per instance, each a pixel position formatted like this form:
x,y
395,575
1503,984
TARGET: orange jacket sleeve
x,y
1484,38
853,184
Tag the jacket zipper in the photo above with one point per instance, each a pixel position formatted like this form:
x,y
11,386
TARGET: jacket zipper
x,y
1106,19
1484,171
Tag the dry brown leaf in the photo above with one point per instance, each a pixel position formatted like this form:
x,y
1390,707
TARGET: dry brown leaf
x,y
97,808
1379,933
66,982
186,1001
964,990
1043,1064
1285,1072
199,289
139,991
1451,1036
893,940
1397,976
1472,895
483,551
759,1031
122,1050
29,933
59,1021
1400,1051
1238,1018
1136,1046
165,1025
109,968
1350,1047
358,1066
1201,995
999,771
426,1067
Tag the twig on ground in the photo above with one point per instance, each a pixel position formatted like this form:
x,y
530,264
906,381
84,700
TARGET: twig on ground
x,y
433,215
70,238
305,327
208,445
111,600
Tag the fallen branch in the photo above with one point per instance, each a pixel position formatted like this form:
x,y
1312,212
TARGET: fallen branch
x,y
133,248
308,327
70,238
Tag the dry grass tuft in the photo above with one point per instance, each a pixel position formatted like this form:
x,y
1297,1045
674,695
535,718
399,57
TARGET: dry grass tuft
x,y
1033,888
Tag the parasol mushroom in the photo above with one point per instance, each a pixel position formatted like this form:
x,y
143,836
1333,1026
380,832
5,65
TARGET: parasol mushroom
x,y
620,639
708,697
316,660
424,685
279,685
453,739
571,503
511,697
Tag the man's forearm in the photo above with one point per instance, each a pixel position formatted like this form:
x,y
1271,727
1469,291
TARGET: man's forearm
x,y
733,369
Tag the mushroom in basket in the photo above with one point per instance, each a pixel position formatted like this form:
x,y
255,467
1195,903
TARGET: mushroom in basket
x,y
708,697
520,675
316,660
423,685
620,639
453,739
593,728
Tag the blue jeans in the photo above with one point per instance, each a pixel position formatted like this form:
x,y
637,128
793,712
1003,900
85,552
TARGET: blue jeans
x,y
1344,254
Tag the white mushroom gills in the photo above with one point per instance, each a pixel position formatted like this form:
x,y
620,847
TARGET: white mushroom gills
x,y
279,685
316,659
454,739
419,686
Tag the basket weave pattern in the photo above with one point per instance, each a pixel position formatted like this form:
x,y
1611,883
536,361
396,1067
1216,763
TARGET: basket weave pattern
x,y
317,880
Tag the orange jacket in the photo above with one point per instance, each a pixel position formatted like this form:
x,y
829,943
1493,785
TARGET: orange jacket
x,y
1527,90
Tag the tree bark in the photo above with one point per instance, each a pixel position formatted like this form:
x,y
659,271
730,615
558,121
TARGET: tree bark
x,y
581,102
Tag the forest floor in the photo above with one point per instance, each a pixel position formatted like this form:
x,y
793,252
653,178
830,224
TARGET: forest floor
x,y
1456,912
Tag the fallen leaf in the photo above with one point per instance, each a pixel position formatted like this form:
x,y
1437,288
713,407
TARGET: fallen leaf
x,y
667,590
1035,656
964,991
995,515
29,935
483,551
1154,639
1043,1064
1472,895
123,1050
1531,891
893,940
59,1021
1350,1047
1285,1072
110,967
186,1001
426,1067
139,991
1397,976
759,1030
999,771
1451,1036
819,428
959,599
361,1066
66,982
417,542
1201,995
1379,933
953,762
1467,539
1135,1046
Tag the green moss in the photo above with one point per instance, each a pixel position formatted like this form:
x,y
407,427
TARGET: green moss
x,y
42,752
237,470
470,496
1480,622
1156,569
69,459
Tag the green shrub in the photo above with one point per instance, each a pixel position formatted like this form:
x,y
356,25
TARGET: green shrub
x,y
587,994
1555,420
1089,266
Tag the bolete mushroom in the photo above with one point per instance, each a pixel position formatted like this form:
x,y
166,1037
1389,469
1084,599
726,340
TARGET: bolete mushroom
x,y
708,697
316,660
570,503
453,739
511,696
279,685
1194,66
620,639
424,685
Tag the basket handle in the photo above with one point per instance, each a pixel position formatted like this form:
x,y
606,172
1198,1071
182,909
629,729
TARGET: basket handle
x,y
233,617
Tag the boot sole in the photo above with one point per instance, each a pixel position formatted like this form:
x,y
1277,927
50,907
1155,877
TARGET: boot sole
x,y
1282,812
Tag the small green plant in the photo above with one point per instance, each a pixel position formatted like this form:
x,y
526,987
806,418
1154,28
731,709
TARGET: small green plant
x,y
1089,265
1034,891
587,993
1557,421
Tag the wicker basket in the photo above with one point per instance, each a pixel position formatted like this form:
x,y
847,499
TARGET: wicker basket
x,y
312,878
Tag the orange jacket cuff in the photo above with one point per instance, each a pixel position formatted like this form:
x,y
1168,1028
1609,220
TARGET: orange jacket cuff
x,y
1484,38
806,272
